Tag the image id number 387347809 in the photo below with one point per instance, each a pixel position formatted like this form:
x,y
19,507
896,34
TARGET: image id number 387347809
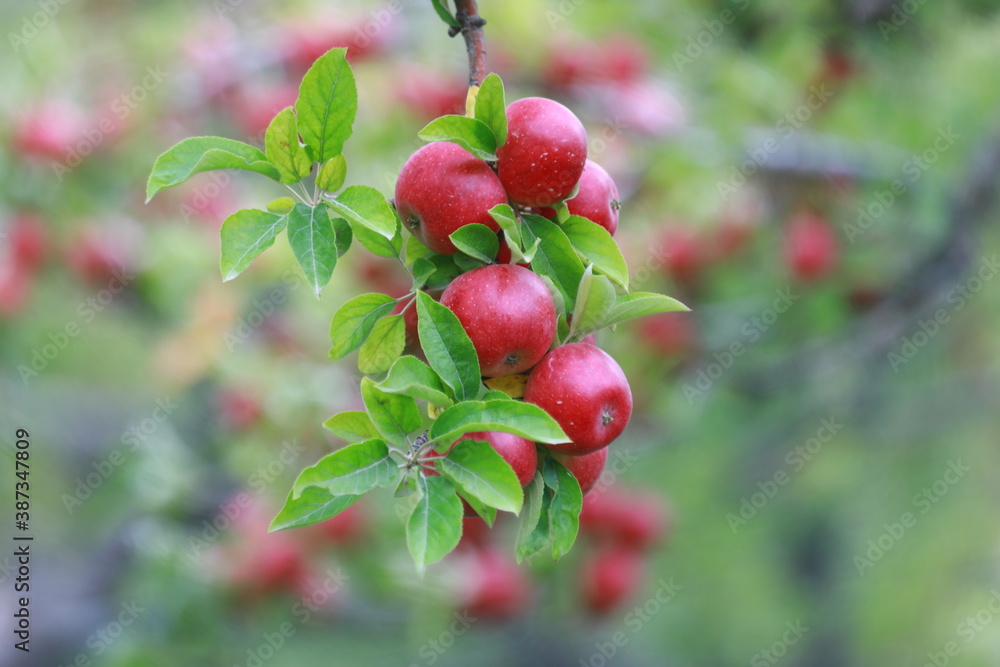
x,y
22,540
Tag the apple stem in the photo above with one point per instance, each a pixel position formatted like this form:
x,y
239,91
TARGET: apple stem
x,y
472,23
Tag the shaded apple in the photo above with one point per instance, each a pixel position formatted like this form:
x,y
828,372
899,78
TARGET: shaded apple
x,y
587,468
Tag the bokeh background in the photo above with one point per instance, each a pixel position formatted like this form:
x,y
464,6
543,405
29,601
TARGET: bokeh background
x,y
818,439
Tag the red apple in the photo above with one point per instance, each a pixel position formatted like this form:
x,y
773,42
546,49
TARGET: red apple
x,y
587,468
586,392
443,187
348,527
239,408
668,334
811,247
493,586
15,286
614,516
428,93
545,152
508,313
597,199
26,236
475,533
610,577
49,130
685,254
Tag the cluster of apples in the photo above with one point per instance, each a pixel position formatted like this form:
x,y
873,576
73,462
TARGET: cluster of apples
x,y
506,309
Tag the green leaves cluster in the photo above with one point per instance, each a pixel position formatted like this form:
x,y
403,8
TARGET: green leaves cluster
x,y
302,141
411,434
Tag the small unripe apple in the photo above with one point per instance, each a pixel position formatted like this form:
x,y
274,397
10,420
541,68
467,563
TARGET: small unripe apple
x,y
586,392
610,577
597,199
545,152
443,187
587,468
509,314
811,247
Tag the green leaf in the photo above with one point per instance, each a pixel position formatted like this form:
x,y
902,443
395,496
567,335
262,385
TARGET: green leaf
x,y
471,134
344,235
555,257
447,271
594,301
283,150
394,415
378,244
416,250
411,377
353,322
244,235
640,304
364,205
313,505
478,470
495,395
445,14
352,426
352,470
540,534
507,219
448,348
596,244
281,205
523,419
564,510
327,105
422,269
466,263
485,512
477,241
491,108
531,514
332,174
435,525
197,154
384,345
314,243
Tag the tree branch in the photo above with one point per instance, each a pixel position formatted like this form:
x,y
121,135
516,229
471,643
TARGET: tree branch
x,y
472,24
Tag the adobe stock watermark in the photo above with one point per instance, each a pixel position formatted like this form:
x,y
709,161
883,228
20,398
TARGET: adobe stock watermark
x,y
923,502
86,311
703,40
231,510
272,641
774,653
786,126
635,620
121,108
751,331
432,649
966,632
260,311
913,169
33,24
957,298
901,14
795,460
103,469
100,641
